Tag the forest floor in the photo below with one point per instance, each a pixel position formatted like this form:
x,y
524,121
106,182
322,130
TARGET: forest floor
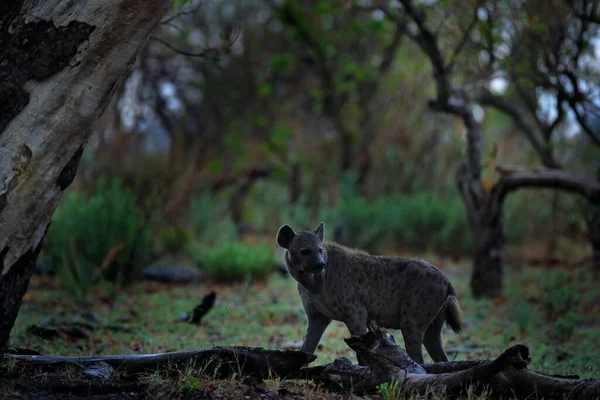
x,y
555,312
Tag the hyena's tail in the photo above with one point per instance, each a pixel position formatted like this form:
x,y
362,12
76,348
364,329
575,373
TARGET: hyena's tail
x,y
453,311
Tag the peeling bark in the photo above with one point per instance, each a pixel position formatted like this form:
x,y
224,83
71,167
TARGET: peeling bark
x,y
13,286
59,64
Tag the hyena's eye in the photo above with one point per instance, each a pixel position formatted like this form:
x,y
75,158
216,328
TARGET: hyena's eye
x,y
305,251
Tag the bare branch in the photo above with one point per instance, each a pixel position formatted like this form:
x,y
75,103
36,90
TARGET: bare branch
x,y
208,53
576,99
390,51
181,13
545,178
594,135
465,37
592,15
514,111
427,40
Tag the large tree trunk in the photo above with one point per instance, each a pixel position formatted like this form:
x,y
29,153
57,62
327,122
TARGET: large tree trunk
x,y
593,227
488,236
59,64
485,214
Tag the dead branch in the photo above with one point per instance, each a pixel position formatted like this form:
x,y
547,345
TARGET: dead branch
x,y
251,175
511,109
223,361
507,375
548,178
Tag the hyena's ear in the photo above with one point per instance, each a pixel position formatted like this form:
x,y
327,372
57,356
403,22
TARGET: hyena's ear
x,y
285,236
319,231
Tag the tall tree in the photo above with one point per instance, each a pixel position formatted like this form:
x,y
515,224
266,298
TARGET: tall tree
x,y
59,64
350,51
506,36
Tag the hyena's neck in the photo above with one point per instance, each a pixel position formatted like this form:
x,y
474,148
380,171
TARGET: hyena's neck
x,y
311,281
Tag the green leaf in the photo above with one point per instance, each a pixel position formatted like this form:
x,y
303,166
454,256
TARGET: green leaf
x,y
282,62
215,165
280,135
279,173
264,89
258,120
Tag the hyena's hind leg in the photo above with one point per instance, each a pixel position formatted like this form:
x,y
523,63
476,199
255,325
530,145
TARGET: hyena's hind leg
x,y
413,341
433,338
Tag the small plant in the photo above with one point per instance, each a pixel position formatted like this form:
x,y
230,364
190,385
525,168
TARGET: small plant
x,y
560,295
101,237
523,316
235,261
191,383
390,390
564,326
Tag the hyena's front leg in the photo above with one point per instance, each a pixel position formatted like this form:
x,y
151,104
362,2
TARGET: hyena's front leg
x,y
317,323
357,325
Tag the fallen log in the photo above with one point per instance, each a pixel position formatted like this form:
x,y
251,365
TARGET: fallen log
x,y
224,362
507,375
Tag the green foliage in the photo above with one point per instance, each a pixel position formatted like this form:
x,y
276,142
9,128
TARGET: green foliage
x,y
418,220
175,239
209,219
390,390
523,316
282,62
235,261
560,295
190,384
86,232
564,326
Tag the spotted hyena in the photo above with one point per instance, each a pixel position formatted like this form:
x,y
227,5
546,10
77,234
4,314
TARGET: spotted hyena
x,y
355,287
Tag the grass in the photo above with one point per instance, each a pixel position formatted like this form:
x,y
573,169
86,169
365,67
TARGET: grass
x,y
534,311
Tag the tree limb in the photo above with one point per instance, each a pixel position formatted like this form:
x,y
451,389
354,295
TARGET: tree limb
x,y
507,375
543,178
511,109
464,38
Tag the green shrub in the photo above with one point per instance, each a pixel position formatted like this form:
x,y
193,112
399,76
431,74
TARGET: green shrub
x,y
235,261
564,326
560,295
419,221
175,239
209,218
89,231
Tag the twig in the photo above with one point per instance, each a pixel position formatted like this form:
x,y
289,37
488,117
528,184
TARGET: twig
x,y
205,53
464,38
180,14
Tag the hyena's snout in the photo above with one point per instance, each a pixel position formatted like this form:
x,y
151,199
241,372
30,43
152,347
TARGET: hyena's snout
x,y
318,265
